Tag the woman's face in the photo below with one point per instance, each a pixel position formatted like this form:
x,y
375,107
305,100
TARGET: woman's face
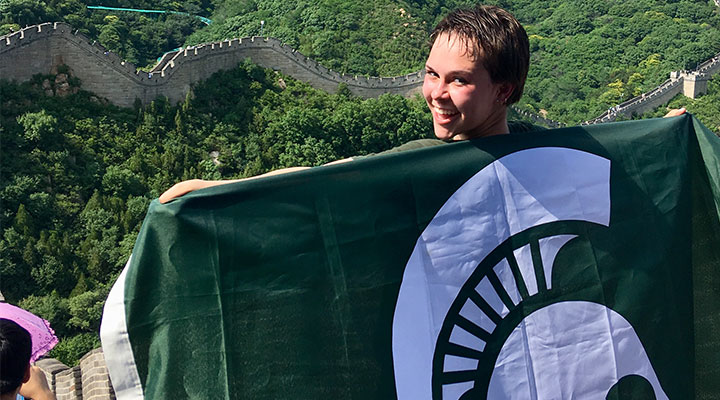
x,y
464,101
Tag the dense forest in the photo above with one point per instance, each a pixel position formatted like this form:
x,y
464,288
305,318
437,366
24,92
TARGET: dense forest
x,y
591,55
77,173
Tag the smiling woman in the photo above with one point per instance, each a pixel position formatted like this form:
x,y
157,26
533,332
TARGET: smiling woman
x,y
477,67
464,101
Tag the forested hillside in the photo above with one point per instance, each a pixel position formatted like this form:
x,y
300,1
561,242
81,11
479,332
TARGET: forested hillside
x,y
77,173
591,55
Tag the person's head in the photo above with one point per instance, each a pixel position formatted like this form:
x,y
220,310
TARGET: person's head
x,y
477,66
15,351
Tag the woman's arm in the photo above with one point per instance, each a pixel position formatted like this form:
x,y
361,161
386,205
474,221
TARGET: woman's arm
x,y
186,187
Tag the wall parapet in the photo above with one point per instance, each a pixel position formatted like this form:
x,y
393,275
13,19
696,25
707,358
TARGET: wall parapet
x,y
538,118
87,381
26,35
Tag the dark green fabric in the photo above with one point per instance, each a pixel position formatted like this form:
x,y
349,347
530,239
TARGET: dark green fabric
x,y
524,127
411,145
515,127
706,263
285,287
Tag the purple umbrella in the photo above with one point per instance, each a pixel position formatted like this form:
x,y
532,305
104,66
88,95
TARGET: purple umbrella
x,y
43,336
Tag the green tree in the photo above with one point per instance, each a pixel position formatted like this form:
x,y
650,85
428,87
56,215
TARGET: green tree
x,y
121,182
38,125
71,349
86,309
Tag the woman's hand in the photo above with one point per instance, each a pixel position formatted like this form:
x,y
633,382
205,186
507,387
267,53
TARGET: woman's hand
x,y
675,112
36,387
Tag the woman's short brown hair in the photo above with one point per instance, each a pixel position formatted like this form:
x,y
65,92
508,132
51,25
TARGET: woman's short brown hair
x,y
495,37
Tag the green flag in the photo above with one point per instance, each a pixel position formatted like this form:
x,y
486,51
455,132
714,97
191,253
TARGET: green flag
x,y
571,263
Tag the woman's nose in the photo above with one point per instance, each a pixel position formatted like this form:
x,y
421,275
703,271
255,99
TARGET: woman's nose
x,y
439,90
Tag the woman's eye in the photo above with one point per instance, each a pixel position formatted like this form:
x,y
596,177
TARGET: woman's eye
x,y
459,81
432,73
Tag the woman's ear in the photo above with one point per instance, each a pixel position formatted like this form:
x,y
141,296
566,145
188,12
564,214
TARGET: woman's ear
x,y
504,91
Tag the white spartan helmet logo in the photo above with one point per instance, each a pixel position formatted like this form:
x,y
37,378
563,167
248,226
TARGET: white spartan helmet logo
x,y
449,308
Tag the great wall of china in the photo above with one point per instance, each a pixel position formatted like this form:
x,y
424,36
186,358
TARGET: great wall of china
x,y
689,83
38,49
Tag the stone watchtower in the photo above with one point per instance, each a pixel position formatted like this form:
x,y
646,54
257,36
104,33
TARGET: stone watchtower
x,y
694,84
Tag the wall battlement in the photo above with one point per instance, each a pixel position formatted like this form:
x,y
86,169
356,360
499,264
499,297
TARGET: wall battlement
x,y
26,35
87,381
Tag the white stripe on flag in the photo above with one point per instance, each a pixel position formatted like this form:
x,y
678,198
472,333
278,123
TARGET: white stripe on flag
x,y
116,343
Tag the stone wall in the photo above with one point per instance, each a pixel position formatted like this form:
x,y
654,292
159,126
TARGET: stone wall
x,y
87,381
643,103
39,48
538,119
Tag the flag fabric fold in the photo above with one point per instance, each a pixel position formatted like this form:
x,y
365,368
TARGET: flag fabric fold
x,y
593,252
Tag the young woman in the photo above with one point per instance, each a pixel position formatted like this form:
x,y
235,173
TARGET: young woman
x,y
477,67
